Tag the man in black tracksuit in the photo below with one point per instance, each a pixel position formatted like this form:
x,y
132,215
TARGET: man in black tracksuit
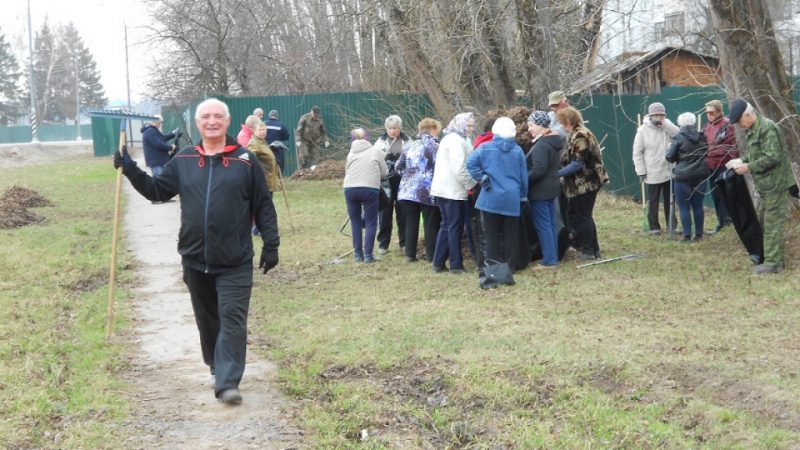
x,y
222,188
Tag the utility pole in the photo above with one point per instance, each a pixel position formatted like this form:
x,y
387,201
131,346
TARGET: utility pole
x,y
77,101
128,81
31,79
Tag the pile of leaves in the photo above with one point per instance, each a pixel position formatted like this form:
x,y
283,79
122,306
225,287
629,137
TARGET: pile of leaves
x,y
519,114
325,170
14,206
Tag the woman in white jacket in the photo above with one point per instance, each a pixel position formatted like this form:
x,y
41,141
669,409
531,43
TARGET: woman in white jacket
x,y
649,152
450,184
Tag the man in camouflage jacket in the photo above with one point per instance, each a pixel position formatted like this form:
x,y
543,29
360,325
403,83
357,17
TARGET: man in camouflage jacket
x,y
772,174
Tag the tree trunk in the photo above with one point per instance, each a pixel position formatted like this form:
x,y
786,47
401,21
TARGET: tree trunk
x,y
589,43
420,75
750,56
532,19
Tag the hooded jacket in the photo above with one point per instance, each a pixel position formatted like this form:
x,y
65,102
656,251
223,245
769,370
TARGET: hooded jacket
x,y
688,152
220,196
451,179
650,148
156,148
365,166
503,162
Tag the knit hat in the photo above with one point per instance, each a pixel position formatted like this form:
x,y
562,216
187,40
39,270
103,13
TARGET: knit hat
x,y
737,109
555,98
273,114
656,108
504,128
539,118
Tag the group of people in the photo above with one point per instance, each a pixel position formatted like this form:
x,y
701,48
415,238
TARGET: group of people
x,y
686,162
482,185
485,186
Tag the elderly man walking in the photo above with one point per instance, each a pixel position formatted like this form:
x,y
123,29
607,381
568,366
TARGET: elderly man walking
x,y
649,160
772,174
222,189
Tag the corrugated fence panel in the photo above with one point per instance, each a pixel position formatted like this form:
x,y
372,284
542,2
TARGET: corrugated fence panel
x,y
44,132
613,118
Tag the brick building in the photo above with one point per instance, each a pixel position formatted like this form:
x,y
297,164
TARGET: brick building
x,y
649,72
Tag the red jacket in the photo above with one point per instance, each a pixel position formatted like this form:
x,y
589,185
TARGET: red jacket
x,y
244,136
721,148
482,139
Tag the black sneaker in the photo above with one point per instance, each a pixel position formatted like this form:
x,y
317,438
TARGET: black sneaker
x,y
439,269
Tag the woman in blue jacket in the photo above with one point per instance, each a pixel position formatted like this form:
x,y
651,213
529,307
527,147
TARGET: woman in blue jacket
x,y
499,165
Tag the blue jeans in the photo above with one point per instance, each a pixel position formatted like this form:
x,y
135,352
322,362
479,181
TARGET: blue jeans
x,y
689,197
448,241
544,219
156,170
362,200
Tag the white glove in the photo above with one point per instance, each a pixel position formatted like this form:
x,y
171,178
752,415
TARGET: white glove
x,y
733,164
298,144
327,144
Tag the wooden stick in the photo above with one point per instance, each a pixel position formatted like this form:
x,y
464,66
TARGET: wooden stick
x,y
112,280
286,199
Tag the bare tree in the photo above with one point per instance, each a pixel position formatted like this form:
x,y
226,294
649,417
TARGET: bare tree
x,y
752,62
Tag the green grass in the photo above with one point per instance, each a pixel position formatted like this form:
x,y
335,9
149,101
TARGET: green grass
x,y
58,382
681,349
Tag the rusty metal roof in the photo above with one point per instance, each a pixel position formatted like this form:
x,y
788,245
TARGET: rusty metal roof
x,y
623,63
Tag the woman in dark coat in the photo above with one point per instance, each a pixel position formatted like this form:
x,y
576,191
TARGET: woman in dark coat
x,y
688,151
544,186
582,175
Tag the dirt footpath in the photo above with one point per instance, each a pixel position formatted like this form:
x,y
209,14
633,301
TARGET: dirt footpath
x,y
174,404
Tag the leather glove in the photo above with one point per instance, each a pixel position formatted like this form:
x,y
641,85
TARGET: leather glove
x,y
123,160
486,183
269,259
642,178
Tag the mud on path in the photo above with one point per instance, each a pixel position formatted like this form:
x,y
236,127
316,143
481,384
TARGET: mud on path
x,y
173,403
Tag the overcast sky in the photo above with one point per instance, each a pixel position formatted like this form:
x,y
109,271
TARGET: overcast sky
x,y
100,24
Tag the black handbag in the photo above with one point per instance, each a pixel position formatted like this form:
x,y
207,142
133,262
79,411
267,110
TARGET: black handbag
x,y
495,274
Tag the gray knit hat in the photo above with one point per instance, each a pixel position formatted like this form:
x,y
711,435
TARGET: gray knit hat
x,y
539,118
273,114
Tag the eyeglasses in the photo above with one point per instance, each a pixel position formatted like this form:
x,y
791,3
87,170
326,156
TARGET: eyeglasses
x,y
711,113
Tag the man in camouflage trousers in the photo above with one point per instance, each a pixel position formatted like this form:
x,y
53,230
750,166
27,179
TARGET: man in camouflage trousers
x,y
309,134
772,174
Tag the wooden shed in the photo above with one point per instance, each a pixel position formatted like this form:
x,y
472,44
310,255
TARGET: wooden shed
x,y
649,72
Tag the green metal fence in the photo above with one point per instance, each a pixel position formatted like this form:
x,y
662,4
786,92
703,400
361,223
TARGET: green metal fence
x,y
44,132
341,112
613,119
